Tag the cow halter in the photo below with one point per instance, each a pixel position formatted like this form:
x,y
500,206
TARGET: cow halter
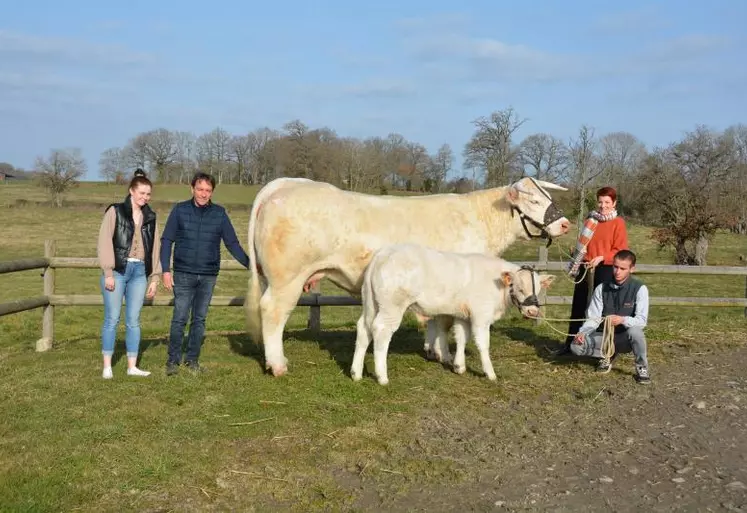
x,y
532,300
552,214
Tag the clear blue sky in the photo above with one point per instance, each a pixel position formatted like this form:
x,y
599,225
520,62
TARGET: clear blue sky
x,y
93,75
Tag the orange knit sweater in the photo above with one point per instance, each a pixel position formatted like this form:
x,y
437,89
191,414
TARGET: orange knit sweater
x,y
609,238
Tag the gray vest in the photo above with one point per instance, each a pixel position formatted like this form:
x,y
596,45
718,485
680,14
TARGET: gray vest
x,y
619,300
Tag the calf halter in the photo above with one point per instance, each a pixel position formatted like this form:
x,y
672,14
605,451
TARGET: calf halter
x,y
532,300
552,214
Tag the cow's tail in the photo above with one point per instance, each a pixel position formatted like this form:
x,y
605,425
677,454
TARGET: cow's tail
x,y
254,293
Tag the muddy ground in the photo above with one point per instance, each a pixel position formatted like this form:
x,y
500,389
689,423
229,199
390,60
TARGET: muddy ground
x,y
678,444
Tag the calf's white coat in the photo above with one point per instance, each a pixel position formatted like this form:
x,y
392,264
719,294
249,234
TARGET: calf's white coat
x,y
472,289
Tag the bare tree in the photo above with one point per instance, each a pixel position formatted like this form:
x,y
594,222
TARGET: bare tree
x,y
491,147
413,168
214,153
240,153
439,166
60,172
585,167
263,155
738,135
112,165
396,149
159,148
185,159
689,184
546,156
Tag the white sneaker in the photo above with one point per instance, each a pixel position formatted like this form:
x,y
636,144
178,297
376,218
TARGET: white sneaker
x,y
134,371
107,374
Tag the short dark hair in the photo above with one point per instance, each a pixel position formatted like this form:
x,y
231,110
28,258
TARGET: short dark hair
x,y
607,191
626,254
200,176
139,178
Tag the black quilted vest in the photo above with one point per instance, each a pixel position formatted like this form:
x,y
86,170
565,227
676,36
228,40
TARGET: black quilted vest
x,y
124,229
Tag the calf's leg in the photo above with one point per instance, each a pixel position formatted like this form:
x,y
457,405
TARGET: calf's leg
x,y
384,325
362,340
481,333
462,333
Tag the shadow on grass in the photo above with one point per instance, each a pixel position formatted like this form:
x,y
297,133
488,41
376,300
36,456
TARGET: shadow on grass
x,y
544,347
339,343
243,345
120,350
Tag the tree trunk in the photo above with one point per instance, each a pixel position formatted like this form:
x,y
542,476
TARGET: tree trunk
x,y
701,248
581,205
680,253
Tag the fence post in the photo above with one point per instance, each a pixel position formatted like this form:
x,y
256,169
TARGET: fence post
x,y
542,296
745,295
315,312
45,343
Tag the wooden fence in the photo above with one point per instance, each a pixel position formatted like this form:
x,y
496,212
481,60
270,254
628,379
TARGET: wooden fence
x,y
49,299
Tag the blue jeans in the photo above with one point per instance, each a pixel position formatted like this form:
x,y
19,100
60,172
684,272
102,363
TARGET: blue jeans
x,y
131,287
191,292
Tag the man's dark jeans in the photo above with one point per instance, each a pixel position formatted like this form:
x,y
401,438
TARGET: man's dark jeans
x,y
191,292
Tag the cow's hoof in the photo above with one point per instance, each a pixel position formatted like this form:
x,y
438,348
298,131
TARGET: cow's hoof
x,y
383,381
277,370
356,377
492,377
431,355
460,369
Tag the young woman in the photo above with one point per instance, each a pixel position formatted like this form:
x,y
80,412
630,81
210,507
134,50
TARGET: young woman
x,y
128,249
610,236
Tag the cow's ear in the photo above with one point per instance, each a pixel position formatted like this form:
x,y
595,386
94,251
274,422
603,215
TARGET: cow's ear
x,y
546,280
512,194
506,278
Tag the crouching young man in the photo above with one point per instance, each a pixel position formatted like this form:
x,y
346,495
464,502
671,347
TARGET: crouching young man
x,y
625,300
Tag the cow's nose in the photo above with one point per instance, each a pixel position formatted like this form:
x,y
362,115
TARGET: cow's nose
x,y
565,226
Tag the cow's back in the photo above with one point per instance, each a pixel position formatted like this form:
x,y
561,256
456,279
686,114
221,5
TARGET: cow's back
x,y
326,220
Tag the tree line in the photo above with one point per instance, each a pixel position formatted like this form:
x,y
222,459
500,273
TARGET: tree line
x,y
687,190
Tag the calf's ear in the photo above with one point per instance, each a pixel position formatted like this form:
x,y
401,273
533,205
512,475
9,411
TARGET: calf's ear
x,y
546,280
506,278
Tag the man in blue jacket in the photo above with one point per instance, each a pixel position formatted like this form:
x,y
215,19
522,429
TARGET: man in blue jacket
x,y
195,227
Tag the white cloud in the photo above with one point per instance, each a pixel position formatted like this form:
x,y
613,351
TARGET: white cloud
x,y
56,49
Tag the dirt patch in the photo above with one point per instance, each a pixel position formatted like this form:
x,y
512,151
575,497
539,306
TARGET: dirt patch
x,y
677,444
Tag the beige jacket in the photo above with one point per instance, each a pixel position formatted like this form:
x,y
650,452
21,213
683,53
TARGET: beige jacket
x,y
106,246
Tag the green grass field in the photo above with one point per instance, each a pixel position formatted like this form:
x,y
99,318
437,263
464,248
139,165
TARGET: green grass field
x,y
235,438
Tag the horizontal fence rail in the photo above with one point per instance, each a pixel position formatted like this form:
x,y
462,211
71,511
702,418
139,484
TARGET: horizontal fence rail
x,y
315,300
319,300
23,265
232,265
21,305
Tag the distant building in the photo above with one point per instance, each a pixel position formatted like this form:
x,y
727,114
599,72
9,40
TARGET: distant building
x,y
4,177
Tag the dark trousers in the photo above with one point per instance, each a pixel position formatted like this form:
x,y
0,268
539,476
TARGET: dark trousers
x,y
192,292
602,273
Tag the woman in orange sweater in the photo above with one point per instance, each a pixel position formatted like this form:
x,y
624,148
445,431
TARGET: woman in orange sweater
x,y
610,236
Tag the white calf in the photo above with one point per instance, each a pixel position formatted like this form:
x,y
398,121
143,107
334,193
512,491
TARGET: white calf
x,y
472,289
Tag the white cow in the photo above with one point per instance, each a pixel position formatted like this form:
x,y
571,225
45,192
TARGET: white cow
x,y
473,290
301,231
